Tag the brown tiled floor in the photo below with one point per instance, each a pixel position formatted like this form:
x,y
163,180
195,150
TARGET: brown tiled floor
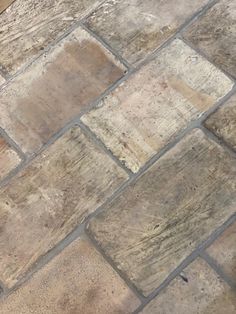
x,y
117,157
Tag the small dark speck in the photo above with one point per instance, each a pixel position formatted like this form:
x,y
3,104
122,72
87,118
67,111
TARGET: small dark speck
x,y
185,279
156,226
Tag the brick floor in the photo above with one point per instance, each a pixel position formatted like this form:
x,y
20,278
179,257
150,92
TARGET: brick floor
x,y
117,157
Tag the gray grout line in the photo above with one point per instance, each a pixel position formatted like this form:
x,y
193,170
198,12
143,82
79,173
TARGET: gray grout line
x,y
46,258
217,268
12,144
74,25
107,46
158,50
202,54
100,144
128,283
80,229
187,261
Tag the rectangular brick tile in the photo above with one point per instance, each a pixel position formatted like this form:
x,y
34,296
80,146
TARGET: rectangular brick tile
x,y
215,34
47,200
4,4
223,250
158,221
146,112
135,28
55,89
9,159
203,293
76,281
223,122
29,26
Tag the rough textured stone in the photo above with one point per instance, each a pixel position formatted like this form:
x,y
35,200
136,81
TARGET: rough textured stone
x,y
223,122
159,220
203,293
215,34
52,91
2,80
47,200
223,250
76,281
135,28
146,112
4,4
9,159
29,26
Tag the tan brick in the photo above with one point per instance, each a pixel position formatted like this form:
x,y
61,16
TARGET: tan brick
x,y
76,281
47,200
204,293
135,28
223,122
146,112
215,34
223,250
160,219
55,89
29,26
4,4
9,159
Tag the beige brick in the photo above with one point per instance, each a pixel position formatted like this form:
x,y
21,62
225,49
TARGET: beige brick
x,y
204,293
223,122
76,281
55,89
4,4
135,28
47,200
176,205
146,112
215,34
9,159
223,250
29,26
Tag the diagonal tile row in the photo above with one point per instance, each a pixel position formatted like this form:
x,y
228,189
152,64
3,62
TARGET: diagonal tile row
x,y
163,216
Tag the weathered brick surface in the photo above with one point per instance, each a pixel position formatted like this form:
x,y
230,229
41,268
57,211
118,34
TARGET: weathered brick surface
x,y
215,34
223,250
204,292
29,26
47,200
135,28
55,89
159,220
223,122
9,159
77,281
146,112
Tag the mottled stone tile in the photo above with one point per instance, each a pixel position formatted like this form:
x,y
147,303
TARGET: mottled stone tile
x,y
76,281
215,34
223,122
4,4
135,28
160,219
204,292
47,200
27,27
147,111
55,89
223,250
9,159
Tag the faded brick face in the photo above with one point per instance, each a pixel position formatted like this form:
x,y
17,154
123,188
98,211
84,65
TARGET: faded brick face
x,y
39,102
